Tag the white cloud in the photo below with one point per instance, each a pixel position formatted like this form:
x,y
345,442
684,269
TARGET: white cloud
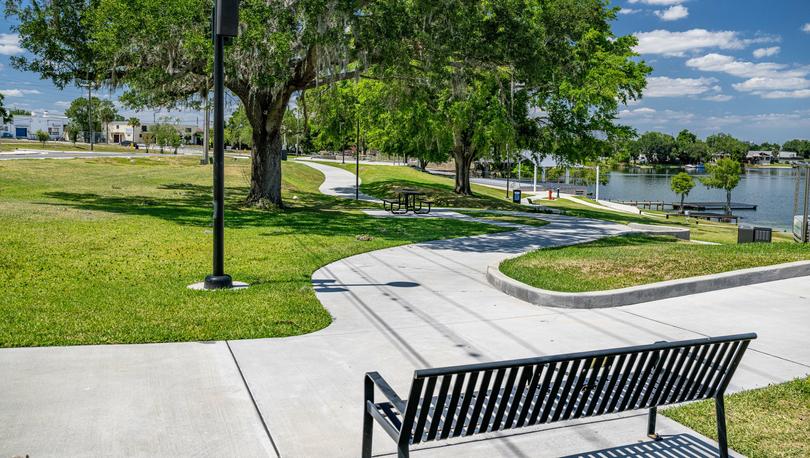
x,y
771,84
629,11
658,2
61,104
18,92
801,94
677,43
663,86
805,28
743,69
719,98
673,13
767,79
766,52
10,44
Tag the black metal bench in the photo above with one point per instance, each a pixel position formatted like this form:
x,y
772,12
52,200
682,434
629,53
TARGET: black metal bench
x,y
463,401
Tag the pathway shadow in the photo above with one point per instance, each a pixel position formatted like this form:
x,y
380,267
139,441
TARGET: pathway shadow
x,y
679,445
332,286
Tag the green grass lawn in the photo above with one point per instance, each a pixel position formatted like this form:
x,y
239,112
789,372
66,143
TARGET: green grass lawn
x,y
383,181
706,231
505,217
101,251
630,260
768,422
11,145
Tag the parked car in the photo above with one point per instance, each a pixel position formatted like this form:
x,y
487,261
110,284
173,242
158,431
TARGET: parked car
x,y
126,143
6,135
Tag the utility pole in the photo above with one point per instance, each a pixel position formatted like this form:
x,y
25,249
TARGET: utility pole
x,y
226,24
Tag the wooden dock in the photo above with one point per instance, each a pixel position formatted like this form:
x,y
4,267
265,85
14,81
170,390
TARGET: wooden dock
x,y
702,206
720,217
644,204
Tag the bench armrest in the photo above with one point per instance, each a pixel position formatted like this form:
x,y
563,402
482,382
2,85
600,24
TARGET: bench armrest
x,y
386,390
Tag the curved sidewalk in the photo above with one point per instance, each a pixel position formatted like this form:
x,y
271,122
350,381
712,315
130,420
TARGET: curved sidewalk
x,y
429,304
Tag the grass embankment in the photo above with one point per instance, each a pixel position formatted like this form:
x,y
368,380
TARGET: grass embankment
x,y
631,260
101,251
12,145
707,231
505,218
383,182
768,422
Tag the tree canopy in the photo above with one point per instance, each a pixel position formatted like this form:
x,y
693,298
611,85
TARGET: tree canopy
x,y
5,116
80,112
682,185
725,175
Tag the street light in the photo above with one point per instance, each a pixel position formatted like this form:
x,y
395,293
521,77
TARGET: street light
x,y
226,24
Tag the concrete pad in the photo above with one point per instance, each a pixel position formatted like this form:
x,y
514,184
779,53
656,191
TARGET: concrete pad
x,y
127,400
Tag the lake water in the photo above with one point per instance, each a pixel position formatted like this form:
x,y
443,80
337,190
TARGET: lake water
x,y
771,190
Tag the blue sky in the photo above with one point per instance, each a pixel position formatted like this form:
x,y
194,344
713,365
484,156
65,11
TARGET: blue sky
x,y
736,66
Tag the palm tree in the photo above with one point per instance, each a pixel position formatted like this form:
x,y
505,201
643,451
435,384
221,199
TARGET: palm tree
x,y
134,123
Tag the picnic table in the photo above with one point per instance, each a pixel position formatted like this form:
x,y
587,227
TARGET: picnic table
x,y
408,200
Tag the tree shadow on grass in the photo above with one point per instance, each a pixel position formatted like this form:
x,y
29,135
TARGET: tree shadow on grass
x,y
442,195
309,214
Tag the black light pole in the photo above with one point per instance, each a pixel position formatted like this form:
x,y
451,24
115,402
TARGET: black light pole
x,y
357,164
226,24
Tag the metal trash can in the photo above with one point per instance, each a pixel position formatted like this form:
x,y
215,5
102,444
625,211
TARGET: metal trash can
x,y
517,196
751,234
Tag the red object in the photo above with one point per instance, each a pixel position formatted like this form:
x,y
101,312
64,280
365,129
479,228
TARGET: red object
x,y
550,195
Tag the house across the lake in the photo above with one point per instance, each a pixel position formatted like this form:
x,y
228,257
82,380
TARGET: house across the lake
x,y
759,157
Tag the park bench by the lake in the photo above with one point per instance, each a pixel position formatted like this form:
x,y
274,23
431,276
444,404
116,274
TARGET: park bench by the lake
x,y
408,200
464,401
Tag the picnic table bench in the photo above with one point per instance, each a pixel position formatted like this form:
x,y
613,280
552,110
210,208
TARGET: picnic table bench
x,y
408,200
468,400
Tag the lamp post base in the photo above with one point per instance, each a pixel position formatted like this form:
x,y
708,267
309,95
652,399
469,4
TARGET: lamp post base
x,y
218,283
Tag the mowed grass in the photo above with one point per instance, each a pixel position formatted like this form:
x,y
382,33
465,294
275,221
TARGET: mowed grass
x,y
505,217
384,181
707,231
631,260
11,145
768,422
101,251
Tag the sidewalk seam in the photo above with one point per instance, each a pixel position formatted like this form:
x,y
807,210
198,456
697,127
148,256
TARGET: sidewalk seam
x,y
252,399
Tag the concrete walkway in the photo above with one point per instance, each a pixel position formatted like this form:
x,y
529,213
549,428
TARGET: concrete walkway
x,y
394,310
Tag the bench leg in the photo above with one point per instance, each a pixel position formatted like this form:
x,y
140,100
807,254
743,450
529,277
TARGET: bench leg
x,y
402,450
651,424
722,439
368,420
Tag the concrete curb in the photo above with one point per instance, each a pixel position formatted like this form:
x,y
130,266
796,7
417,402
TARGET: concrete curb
x,y
645,293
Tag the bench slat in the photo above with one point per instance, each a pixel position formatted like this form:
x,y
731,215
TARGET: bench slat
x,y
492,400
694,354
720,373
469,395
698,382
519,399
424,410
607,368
531,394
506,395
438,411
480,397
452,408
561,399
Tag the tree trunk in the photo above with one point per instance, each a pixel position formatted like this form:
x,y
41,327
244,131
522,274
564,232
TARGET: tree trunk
x,y
422,164
463,159
728,202
683,197
265,115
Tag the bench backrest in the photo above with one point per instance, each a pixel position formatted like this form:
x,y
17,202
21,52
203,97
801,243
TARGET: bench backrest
x,y
466,400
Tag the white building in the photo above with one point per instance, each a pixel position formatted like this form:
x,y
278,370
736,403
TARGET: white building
x,y
788,157
26,126
121,131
